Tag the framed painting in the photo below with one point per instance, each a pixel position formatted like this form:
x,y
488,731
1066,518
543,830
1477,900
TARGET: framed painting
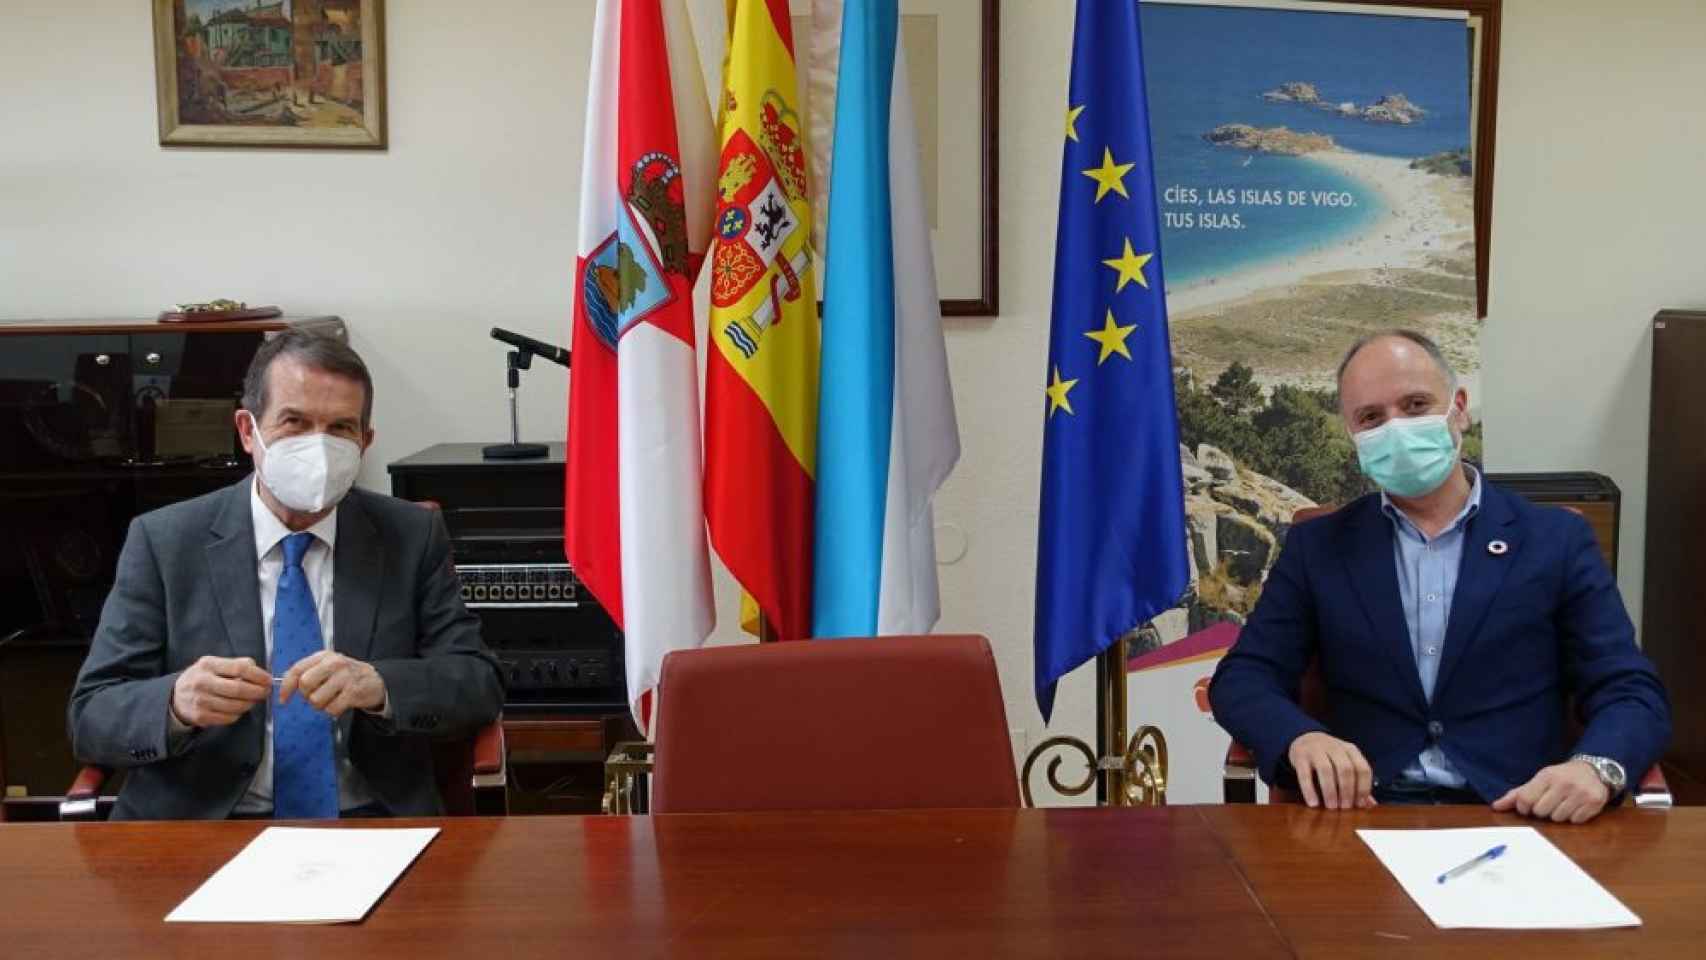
x,y
285,73
1484,21
951,48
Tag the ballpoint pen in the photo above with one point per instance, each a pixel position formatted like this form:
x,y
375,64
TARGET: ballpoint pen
x,y
1464,868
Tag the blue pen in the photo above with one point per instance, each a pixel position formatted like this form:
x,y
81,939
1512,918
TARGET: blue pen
x,y
1462,869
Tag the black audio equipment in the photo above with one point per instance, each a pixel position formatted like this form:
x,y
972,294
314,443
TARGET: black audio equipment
x,y
559,649
530,345
519,359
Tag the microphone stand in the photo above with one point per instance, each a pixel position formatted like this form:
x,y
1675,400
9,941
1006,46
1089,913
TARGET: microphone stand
x,y
515,449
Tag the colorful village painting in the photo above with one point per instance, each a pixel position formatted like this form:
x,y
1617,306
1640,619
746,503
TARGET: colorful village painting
x,y
278,73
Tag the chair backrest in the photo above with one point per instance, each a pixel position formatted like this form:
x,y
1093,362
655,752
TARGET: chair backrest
x,y
889,723
453,772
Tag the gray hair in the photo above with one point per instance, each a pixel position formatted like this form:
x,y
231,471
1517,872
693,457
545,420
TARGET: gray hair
x,y
1416,337
316,350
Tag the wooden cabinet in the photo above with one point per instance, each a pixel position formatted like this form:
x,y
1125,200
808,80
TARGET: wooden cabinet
x,y
99,421
1673,622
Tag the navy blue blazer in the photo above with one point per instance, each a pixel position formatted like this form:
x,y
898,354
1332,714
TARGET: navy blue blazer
x,y
1530,627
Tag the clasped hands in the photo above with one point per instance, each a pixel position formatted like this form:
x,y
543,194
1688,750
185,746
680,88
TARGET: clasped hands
x,y
217,691
1334,774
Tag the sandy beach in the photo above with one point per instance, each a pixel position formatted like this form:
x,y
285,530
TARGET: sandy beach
x,y
1414,266
1416,223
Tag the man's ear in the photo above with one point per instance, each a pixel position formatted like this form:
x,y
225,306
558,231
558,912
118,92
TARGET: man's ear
x,y
366,439
1460,409
245,430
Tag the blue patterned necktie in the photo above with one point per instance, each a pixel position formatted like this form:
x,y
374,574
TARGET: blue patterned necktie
x,y
304,767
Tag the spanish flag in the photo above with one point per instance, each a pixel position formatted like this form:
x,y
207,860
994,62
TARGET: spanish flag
x,y
762,371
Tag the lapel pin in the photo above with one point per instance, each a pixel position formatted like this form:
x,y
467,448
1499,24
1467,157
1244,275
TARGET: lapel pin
x,y
1498,548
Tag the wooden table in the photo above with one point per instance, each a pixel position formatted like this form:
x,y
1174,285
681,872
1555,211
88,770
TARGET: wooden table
x,y
1238,882
958,885
1330,897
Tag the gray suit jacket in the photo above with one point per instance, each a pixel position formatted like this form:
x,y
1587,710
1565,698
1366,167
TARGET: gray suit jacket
x,y
187,587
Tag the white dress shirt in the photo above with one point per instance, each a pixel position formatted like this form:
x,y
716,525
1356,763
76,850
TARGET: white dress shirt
x,y
317,565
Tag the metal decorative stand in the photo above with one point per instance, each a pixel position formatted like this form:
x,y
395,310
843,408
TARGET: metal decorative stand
x,y
1124,773
627,775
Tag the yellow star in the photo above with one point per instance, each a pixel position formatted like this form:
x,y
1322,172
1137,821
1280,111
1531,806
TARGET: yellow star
x,y
1112,338
1057,392
1109,176
1072,122
1130,266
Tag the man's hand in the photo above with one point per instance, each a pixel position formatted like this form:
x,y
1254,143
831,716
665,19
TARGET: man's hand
x,y
217,691
1346,781
1569,791
334,683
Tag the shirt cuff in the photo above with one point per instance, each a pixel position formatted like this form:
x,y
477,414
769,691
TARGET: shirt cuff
x,y
384,711
178,732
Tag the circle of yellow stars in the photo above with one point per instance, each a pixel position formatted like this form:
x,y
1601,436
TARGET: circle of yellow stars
x,y
1127,265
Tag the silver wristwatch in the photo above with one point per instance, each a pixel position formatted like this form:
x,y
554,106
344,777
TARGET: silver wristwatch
x,y
1610,771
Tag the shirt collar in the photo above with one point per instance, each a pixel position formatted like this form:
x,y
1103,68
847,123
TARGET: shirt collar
x,y
1471,507
270,530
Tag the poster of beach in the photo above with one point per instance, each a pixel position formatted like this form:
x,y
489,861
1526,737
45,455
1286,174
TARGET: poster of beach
x,y
1313,174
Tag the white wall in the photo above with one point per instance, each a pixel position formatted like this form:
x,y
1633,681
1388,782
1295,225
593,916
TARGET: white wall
x,y
468,221
1599,221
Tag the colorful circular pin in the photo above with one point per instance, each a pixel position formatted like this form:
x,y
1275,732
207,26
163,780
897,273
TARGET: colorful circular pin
x,y
1498,548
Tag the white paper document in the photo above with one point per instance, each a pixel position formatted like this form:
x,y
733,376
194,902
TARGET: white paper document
x,y
305,875
1529,885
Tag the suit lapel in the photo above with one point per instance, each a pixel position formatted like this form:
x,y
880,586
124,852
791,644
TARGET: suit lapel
x,y
231,569
1373,572
1479,577
358,570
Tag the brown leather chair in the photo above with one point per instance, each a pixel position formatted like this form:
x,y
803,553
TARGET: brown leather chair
x,y
1240,769
472,774
888,723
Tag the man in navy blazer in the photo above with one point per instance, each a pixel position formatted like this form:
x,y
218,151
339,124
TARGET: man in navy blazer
x,y
1452,622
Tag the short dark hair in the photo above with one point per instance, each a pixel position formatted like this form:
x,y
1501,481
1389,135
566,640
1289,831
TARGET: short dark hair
x,y
1414,336
316,350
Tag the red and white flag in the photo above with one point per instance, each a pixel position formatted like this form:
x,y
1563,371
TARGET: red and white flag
x,y
635,523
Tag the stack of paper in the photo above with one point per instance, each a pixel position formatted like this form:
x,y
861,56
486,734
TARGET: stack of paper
x,y
1531,885
305,875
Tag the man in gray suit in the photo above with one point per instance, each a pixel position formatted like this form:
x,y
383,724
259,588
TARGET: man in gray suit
x,y
285,646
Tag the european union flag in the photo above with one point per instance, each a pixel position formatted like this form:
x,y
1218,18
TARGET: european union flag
x,y
1111,539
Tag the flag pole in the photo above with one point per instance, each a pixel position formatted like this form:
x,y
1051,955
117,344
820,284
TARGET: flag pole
x,y
1124,772
1111,725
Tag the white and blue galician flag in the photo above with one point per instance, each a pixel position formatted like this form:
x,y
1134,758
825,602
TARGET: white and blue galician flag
x,y
887,436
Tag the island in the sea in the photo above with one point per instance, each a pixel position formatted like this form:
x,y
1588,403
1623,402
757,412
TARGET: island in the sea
x,y
1452,163
1392,108
1280,140
1296,91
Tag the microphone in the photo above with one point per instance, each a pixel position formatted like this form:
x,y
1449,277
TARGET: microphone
x,y
530,345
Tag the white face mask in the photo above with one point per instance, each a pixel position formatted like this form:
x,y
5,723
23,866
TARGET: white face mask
x,y
308,472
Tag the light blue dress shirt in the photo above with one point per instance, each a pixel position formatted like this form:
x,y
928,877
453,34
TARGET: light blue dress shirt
x,y
1427,579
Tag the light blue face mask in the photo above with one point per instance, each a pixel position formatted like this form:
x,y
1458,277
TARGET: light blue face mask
x,y
1410,456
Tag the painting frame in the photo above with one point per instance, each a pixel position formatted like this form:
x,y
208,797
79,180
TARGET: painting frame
x,y
957,112
368,134
1484,21
987,96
